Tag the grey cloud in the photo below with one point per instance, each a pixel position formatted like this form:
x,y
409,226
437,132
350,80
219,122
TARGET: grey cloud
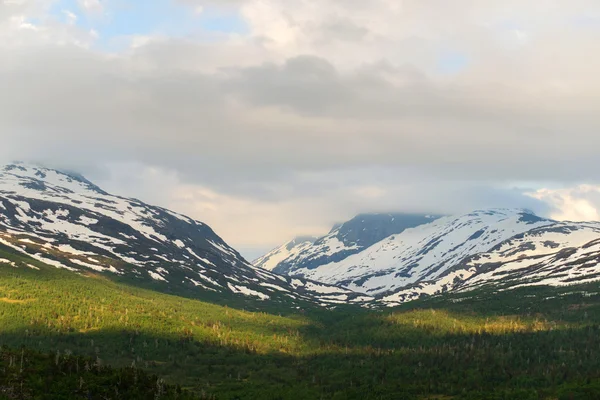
x,y
312,202
327,112
343,29
305,84
265,122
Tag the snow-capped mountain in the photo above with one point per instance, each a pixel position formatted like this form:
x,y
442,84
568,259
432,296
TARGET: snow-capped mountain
x,y
288,251
424,253
344,240
63,220
499,248
558,254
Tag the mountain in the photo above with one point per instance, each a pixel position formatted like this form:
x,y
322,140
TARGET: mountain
x,y
342,241
497,248
558,254
425,252
64,220
288,251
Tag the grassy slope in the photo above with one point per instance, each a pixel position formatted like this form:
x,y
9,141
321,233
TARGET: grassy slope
x,y
528,343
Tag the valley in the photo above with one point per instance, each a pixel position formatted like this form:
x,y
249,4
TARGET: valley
x,y
532,342
299,200
495,304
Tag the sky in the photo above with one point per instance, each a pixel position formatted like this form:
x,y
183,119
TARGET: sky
x,y
269,119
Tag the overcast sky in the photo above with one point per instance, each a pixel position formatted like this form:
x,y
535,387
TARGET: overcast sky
x,y
272,118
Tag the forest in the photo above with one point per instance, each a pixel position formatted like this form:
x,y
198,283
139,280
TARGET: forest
x,y
67,336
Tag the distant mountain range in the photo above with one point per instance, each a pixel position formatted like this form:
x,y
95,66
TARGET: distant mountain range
x,y
402,257
64,220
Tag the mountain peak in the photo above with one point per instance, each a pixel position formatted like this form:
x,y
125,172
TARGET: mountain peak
x,y
61,219
377,253
33,176
299,240
342,241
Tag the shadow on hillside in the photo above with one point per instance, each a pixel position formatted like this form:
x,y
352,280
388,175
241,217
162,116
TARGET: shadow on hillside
x,y
322,354
516,365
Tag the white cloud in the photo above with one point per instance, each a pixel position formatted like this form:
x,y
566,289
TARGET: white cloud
x,y
243,221
580,203
27,24
94,6
71,17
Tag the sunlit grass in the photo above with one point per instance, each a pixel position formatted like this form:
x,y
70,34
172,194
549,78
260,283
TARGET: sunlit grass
x,y
442,322
521,346
66,303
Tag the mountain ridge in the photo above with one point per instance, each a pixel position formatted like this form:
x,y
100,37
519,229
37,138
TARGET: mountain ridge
x,y
343,240
453,253
66,221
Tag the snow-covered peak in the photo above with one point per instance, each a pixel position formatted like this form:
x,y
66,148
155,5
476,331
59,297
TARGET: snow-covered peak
x,y
285,252
72,190
20,175
63,220
558,254
342,241
502,247
424,252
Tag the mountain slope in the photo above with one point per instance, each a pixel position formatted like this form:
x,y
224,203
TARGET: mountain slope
x,y
341,242
289,250
559,254
64,220
425,252
497,248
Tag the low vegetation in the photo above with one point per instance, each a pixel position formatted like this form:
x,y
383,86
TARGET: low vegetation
x,y
529,343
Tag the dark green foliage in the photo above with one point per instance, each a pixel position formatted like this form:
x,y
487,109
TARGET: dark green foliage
x,y
528,343
26,374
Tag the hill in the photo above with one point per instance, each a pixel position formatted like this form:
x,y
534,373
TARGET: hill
x,y
64,220
534,342
154,300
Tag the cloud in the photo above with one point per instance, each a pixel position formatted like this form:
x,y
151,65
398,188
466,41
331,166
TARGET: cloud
x,y
35,23
579,203
319,111
310,203
71,17
93,6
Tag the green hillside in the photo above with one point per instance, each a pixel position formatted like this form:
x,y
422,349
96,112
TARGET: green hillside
x,y
529,343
